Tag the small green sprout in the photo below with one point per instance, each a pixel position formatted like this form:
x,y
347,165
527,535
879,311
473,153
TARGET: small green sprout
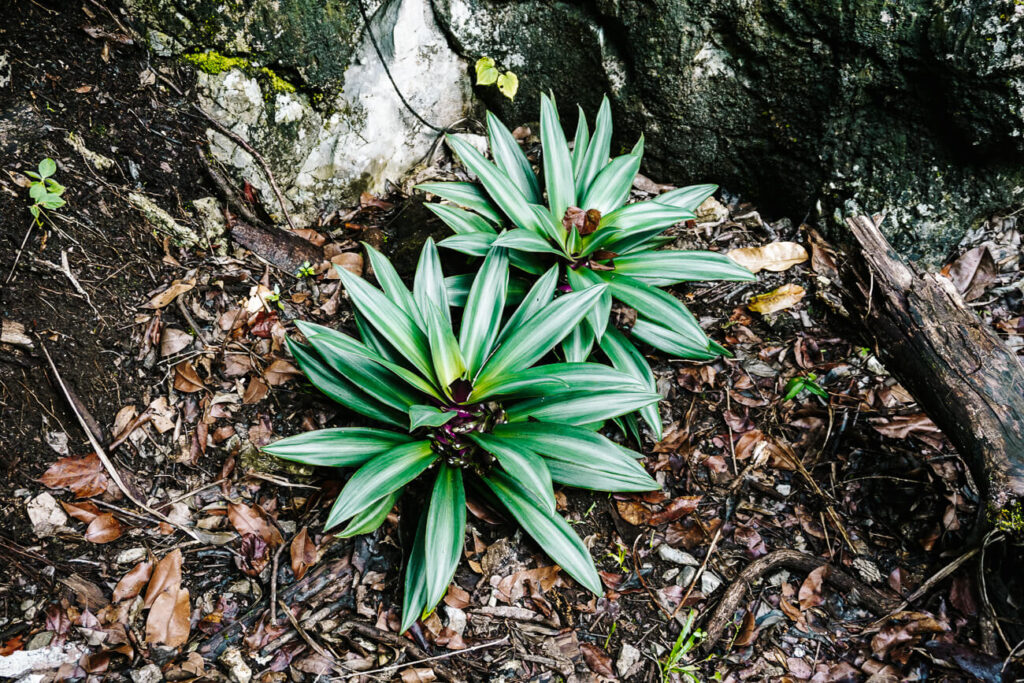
x,y
674,663
275,296
305,270
45,191
487,74
798,385
620,557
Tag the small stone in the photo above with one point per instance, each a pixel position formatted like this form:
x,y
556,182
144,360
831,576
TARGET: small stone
x,y
628,658
711,211
709,583
676,556
147,674
131,556
875,367
238,670
163,221
868,570
784,489
686,576
40,640
212,219
670,574
46,516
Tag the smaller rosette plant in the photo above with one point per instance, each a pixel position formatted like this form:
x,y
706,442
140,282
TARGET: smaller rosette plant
x,y
462,404
578,219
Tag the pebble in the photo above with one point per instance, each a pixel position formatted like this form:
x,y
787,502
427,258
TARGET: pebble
x,y
147,674
238,670
46,516
709,583
628,657
676,556
686,576
131,556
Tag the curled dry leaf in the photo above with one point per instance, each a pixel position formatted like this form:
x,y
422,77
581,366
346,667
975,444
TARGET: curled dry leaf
x,y
776,257
177,288
186,379
255,391
810,590
973,273
250,520
132,583
303,553
597,660
84,476
784,297
351,261
83,511
103,529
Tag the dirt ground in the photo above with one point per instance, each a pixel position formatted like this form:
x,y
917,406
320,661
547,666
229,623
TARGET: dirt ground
x,y
850,502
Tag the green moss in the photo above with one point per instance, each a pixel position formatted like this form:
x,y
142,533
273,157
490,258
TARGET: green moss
x,y
214,63
1010,519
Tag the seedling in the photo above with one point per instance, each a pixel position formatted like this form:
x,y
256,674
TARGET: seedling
x,y
487,74
675,662
305,270
45,191
799,385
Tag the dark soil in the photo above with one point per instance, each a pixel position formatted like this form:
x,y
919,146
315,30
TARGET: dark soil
x,y
903,506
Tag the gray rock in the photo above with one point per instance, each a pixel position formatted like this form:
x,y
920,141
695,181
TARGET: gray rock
x,y
629,657
147,674
305,88
676,556
912,109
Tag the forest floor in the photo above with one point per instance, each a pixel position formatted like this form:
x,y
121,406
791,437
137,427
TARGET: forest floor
x,y
842,507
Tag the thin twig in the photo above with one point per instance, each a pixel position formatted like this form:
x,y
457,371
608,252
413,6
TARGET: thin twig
x,y
640,576
306,637
700,571
394,667
101,454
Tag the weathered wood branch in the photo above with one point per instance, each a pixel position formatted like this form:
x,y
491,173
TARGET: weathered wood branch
x,y
958,370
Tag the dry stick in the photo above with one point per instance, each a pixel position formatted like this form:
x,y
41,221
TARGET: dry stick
x,y
240,141
101,454
396,641
309,640
393,667
639,575
700,571
821,494
856,591
273,583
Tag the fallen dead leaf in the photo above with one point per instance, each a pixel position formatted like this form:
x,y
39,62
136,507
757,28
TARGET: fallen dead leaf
x,y
281,371
103,529
597,660
166,577
168,622
177,288
351,261
132,583
973,273
786,296
776,257
303,553
173,340
83,511
186,379
85,477
249,520
810,590
255,391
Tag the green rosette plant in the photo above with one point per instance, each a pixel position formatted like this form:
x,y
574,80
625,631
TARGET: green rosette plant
x,y
580,221
465,404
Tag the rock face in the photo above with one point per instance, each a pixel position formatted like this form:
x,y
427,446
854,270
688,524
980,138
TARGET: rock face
x,y
300,81
914,108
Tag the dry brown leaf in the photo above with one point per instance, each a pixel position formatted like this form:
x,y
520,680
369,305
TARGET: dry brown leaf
x,y
83,512
255,391
132,583
515,586
104,529
597,660
186,379
168,621
351,261
177,288
784,297
973,273
173,340
810,590
776,257
166,577
311,235
418,675
303,552
124,417
249,520
85,476
281,371
747,633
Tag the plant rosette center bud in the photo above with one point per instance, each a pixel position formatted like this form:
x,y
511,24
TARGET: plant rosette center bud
x,y
451,440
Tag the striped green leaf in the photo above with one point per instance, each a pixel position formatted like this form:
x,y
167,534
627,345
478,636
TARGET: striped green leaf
x,y
470,244
524,240
687,197
391,282
577,345
645,216
558,174
449,365
580,407
414,598
672,342
557,378
550,531
385,473
610,189
428,283
462,222
510,158
597,154
372,516
663,268
339,389
580,457
468,195
336,447
428,416
528,343
581,278
655,305
539,296
522,465
485,305
580,142
625,358
445,532
458,287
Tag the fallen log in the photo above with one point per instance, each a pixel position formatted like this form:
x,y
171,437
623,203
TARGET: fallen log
x,y
962,375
